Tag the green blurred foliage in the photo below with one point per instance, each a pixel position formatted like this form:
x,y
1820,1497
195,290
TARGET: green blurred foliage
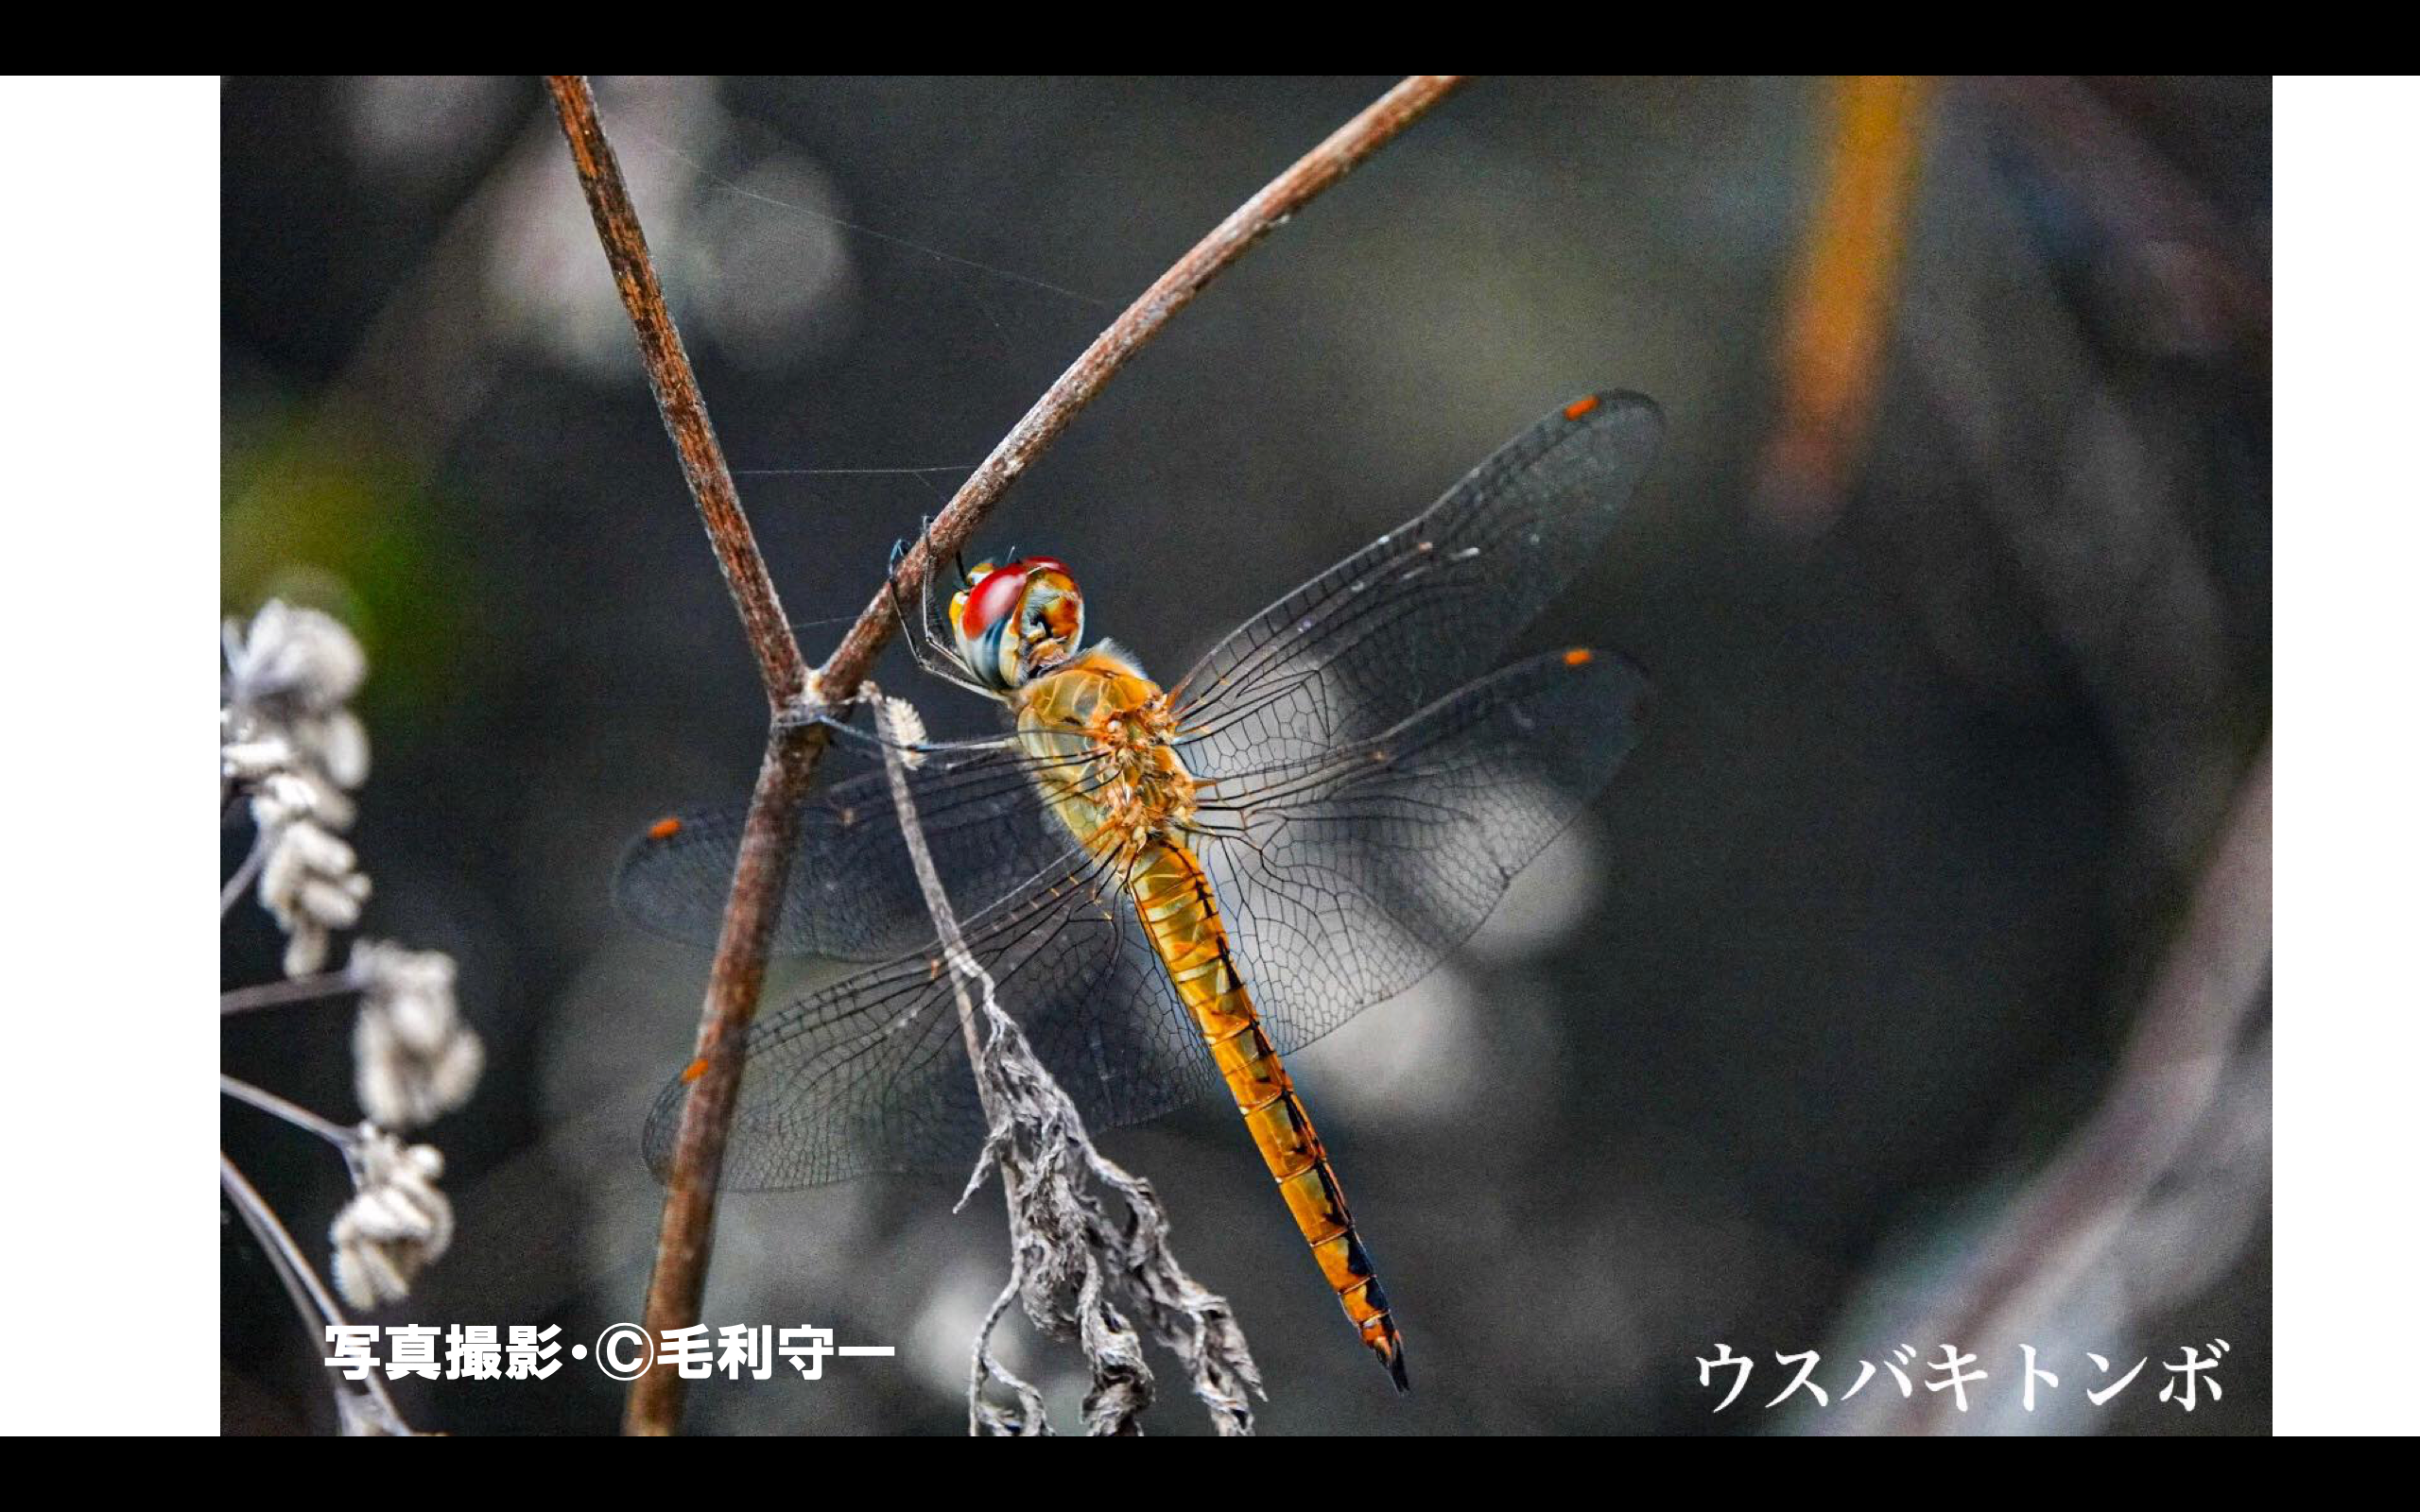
x,y
317,507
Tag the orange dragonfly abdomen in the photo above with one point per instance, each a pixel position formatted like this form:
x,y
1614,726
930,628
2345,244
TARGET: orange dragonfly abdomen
x,y
1173,896
1095,729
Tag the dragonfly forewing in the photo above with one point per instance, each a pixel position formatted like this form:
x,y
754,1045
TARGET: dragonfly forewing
x,y
852,893
1426,606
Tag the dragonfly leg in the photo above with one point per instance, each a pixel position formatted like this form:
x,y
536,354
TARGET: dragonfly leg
x,y
919,747
808,707
930,657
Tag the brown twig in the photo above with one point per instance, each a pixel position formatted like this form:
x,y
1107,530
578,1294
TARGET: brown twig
x,y
1316,171
2209,985
684,1242
676,391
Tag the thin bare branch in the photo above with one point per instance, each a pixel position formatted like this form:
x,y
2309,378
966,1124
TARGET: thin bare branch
x,y
1316,171
1030,1418
2174,1066
371,1406
675,391
685,1239
278,994
231,891
795,745
294,1113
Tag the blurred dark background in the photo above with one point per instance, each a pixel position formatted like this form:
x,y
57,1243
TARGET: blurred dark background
x,y
1954,579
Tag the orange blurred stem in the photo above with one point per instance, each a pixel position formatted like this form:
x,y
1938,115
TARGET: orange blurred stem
x,y
1841,305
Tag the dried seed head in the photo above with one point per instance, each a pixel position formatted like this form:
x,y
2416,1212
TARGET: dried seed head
x,y
414,1057
310,886
906,727
396,1223
293,660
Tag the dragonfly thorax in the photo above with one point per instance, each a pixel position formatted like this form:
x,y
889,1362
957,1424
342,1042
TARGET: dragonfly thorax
x,y
1103,744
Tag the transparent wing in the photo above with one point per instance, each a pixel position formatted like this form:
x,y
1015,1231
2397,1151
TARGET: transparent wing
x,y
1426,607
1343,881
1345,878
852,893
871,1073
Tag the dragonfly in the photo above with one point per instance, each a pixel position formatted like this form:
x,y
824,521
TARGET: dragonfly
x,y
1175,887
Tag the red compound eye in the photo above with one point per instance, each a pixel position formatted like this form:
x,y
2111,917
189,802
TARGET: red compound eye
x,y
993,599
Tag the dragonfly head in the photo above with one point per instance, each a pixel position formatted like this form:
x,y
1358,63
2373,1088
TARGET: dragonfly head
x,y
1017,619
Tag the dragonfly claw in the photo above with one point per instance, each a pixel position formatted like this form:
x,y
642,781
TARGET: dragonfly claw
x,y
807,707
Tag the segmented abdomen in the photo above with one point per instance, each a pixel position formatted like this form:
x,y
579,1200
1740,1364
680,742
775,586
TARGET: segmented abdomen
x,y
1173,899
